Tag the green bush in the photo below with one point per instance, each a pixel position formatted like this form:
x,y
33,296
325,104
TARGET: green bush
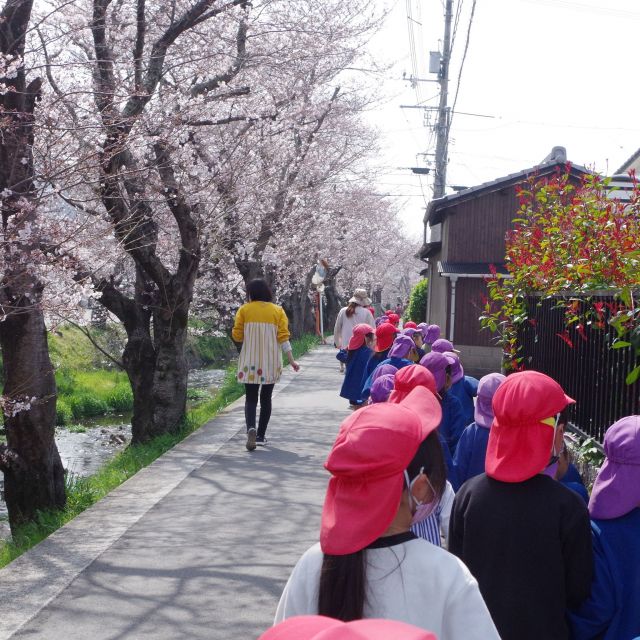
x,y
417,308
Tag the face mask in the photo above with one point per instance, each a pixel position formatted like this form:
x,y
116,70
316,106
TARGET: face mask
x,y
423,509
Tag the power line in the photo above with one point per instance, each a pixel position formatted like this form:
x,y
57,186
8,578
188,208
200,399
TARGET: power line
x,y
464,57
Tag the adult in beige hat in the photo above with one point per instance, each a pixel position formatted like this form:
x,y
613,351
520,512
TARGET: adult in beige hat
x,y
354,313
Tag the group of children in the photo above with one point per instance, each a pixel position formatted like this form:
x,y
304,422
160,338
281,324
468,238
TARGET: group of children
x,y
432,459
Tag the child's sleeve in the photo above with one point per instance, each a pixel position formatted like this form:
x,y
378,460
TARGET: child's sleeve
x,y
237,333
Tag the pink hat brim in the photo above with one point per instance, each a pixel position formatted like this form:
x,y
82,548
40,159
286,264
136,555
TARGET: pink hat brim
x,y
358,511
515,454
300,627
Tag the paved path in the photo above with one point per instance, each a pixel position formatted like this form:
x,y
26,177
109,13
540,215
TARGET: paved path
x,y
199,544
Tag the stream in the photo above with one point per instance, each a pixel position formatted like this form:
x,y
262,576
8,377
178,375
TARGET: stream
x,y
83,452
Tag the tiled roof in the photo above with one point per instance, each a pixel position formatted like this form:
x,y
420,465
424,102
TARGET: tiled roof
x,y
470,268
435,206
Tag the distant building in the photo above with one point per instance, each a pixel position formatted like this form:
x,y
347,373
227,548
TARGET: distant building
x,y
464,239
631,163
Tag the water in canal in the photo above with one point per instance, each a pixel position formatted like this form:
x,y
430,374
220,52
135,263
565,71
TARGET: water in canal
x,y
84,452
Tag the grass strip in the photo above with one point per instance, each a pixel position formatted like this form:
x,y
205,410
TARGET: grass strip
x,y
85,492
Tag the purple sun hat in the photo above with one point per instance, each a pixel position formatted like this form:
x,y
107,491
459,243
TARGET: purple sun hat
x,y
457,372
381,389
432,333
401,347
616,490
437,363
381,320
442,344
488,385
383,370
410,332
424,328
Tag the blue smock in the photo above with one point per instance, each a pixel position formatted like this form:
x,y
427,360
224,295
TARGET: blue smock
x,y
453,422
398,363
611,612
352,383
471,452
466,389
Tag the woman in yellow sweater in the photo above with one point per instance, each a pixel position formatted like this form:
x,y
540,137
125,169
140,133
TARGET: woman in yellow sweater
x,y
263,329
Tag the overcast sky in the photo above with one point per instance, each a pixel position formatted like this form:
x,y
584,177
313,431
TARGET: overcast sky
x,y
548,72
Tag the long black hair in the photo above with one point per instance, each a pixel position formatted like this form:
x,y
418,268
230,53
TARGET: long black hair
x,y
258,291
343,579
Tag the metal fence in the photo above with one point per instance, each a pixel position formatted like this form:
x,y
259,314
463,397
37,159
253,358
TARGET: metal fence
x,y
583,362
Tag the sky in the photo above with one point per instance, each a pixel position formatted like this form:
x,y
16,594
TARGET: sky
x,y
547,72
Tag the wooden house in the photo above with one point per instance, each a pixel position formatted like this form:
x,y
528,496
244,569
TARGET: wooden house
x,y
465,239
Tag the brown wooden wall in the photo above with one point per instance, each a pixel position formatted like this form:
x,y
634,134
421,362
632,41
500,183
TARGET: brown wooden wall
x,y
469,292
477,227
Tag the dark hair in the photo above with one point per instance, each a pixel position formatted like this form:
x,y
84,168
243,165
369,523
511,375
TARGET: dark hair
x,y
343,586
258,291
563,418
430,457
343,579
351,309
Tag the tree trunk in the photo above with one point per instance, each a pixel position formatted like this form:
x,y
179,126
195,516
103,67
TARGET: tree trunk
x,y
33,472
171,373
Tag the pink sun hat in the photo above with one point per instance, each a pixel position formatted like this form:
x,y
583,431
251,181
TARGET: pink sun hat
x,y
367,463
408,378
360,331
522,431
616,490
323,628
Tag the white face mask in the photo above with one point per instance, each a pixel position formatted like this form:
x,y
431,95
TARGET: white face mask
x,y
422,509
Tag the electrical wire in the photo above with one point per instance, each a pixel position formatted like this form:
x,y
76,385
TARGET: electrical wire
x,y
464,57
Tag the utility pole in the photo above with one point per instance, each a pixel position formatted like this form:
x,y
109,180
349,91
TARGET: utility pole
x,y
442,128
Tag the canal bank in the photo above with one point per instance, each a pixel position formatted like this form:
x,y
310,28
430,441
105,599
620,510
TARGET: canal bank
x,y
197,545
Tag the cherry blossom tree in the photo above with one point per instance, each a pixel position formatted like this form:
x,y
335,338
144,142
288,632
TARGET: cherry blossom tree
x,y
33,473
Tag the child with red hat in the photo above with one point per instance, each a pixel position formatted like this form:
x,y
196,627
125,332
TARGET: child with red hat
x,y
399,355
432,522
368,564
385,335
359,350
525,537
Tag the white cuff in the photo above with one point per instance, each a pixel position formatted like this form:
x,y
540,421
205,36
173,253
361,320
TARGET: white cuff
x,y
286,347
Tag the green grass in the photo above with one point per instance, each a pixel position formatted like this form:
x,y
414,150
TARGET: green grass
x,y
84,492
84,394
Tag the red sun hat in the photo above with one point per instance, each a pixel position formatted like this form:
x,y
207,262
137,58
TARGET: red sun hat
x,y
357,338
323,628
394,318
519,442
367,463
410,325
385,335
408,378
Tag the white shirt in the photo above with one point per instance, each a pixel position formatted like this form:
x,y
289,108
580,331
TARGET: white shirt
x,y
414,582
343,329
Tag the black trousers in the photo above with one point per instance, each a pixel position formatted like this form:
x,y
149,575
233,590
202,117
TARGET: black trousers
x,y
251,405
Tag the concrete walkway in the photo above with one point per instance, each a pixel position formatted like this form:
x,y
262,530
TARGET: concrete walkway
x,y
199,544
